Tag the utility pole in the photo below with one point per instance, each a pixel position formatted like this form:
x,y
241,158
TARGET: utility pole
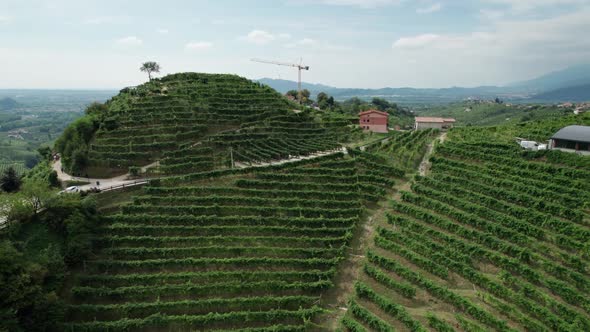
x,y
231,155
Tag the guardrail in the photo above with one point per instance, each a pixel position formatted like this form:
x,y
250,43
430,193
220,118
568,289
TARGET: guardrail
x,y
119,186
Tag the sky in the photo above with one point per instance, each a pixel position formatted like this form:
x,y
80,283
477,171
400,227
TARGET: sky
x,y
88,44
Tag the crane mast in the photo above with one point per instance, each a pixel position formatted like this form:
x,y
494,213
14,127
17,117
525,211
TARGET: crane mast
x,y
299,67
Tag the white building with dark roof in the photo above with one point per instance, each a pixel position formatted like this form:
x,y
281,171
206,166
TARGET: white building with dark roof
x,y
424,122
572,139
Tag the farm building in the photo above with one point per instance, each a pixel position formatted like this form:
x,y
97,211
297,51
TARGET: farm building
x,y
572,139
373,120
436,123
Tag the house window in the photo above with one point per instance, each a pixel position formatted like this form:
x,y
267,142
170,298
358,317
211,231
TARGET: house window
x,y
583,146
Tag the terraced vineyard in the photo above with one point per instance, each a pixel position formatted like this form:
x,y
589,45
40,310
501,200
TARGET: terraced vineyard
x,y
487,241
20,168
197,122
241,249
490,239
407,147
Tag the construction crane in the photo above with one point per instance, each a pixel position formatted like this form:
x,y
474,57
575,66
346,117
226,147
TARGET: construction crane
x,y
299,66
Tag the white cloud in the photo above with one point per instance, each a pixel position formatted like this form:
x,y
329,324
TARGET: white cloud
x,y
130,41
491,15
5,19
198,46
527,5
162,31
259,37
430,9
284,36
362,3
99,20
416,42
110,19
508,49
305,42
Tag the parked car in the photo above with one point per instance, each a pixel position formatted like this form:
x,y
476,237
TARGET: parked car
x,y
72,189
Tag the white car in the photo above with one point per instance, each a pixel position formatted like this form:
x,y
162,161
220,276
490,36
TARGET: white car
x,y
72,189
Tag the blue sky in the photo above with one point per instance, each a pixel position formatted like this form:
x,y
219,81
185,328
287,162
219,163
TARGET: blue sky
x,y
347,43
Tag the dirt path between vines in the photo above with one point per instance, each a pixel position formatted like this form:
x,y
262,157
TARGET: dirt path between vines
x,y
424,167
351,269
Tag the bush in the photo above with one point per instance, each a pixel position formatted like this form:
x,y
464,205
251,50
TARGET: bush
x,y
134,171
54,180
78,238
10,181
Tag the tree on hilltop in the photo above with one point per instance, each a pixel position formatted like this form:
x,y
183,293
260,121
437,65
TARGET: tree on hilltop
x,y
150,67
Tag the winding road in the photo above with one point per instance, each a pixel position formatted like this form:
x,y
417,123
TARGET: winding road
x,y
124,181
117,182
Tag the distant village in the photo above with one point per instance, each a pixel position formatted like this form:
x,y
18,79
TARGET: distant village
x,y
578,108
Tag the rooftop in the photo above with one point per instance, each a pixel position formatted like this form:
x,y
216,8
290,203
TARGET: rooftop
x,y
373,111
573,133
433,119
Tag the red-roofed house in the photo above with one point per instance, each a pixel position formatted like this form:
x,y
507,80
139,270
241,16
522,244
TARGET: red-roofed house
x,y
373,120
423,122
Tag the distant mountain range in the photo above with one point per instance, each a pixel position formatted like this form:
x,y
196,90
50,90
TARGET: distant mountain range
x,y
569,77
570,84
574,94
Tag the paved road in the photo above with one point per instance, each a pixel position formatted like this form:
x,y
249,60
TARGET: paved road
x,y
104,184
290,160
124,181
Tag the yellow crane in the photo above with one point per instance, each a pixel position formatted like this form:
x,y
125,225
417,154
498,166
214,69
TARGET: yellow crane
x,y
299,66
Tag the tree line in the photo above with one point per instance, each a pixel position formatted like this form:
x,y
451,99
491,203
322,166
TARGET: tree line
x,y
42,235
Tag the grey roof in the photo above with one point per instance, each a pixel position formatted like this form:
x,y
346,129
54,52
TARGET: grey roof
x,y
574,133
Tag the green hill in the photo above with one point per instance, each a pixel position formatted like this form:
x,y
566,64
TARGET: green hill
x,y
214,247
192,122
7,104
486,113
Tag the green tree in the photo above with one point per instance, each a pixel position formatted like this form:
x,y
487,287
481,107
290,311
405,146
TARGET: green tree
x,y
96,109
292,93
383,105
54,180
10,181
79,238
76,138
305,94
327,102
31,161
150,67
79,161
36,193
45,152
25,303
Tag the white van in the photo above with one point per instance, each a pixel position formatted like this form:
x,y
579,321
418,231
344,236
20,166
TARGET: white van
x,y
529,145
